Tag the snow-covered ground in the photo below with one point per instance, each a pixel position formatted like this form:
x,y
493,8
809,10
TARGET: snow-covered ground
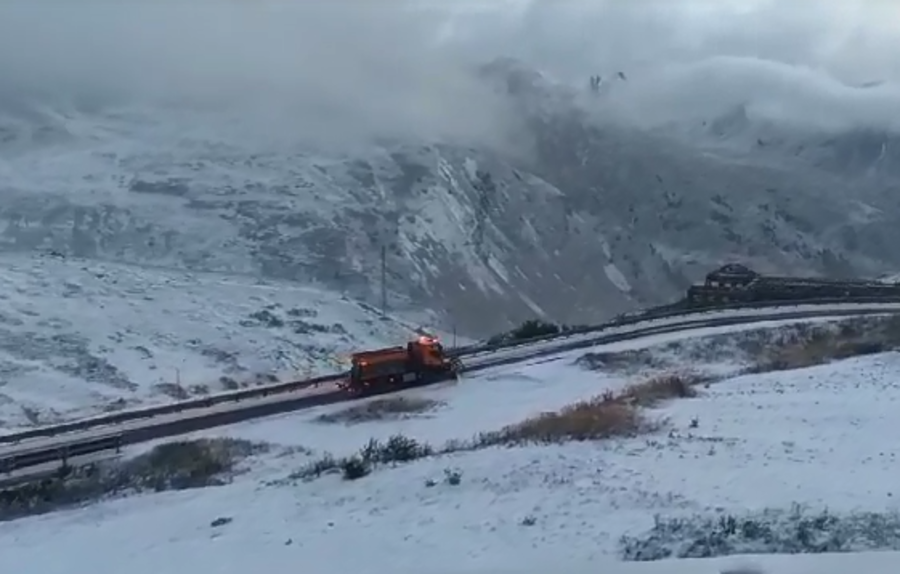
x,y
818,436
78,336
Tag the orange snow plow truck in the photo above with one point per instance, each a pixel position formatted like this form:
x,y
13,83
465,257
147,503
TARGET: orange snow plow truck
x,y
420,362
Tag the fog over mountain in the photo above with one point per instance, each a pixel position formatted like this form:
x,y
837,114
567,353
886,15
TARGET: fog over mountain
x,y
292,140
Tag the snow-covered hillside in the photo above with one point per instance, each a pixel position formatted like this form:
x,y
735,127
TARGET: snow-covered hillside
x,y
753,447
79,336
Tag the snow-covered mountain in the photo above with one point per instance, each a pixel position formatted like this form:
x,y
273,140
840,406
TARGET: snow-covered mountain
x,y
584,220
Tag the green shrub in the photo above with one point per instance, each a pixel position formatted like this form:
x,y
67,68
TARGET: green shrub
x,y
354,468
397,448
530,329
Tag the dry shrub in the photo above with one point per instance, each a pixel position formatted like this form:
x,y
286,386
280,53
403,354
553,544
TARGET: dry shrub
x,y
651,392
587,420
620,360
609,415
823,347
380,409
820,344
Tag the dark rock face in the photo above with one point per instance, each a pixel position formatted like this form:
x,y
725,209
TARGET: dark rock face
x,y
599,220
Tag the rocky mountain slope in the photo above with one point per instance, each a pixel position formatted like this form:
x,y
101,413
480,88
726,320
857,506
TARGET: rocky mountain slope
x,y
594,220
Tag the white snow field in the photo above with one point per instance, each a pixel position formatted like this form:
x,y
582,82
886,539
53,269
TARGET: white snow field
x,y
819,437
78,337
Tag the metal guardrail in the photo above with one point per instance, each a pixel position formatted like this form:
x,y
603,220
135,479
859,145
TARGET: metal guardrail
x,y
62,453
669,311
666,329
169,408
114,439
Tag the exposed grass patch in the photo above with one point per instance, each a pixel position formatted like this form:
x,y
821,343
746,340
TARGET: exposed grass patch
x,y
170,466
812,353
587,420
627,360
380,409
653,391
827,343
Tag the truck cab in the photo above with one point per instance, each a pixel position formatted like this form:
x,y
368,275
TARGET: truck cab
x,y
427,352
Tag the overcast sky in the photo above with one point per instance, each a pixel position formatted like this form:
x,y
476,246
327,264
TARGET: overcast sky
x,y
389,65
855,39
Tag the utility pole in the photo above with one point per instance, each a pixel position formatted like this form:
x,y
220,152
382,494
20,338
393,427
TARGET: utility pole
x,y
383,280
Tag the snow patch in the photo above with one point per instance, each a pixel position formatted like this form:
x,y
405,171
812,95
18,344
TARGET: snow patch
x,y
532,305
617,278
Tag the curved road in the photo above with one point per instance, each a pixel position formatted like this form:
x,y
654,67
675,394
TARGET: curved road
x,y
28,459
